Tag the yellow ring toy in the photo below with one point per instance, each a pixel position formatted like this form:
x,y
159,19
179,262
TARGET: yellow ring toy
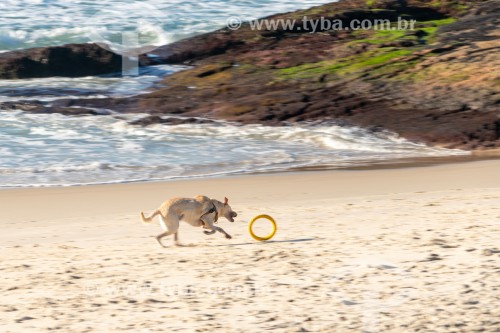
x,y
268,237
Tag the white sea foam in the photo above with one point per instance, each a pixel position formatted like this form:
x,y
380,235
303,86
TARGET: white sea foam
x,y
48,150
26,24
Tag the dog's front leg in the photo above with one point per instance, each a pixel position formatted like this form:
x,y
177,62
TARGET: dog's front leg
x,y
209,232
219,229
205,226
207,223
213,229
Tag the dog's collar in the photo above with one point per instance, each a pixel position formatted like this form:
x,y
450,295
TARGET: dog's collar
x,y
213,209
216,213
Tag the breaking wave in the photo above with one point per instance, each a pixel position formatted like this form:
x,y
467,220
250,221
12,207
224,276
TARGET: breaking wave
x,y
55,150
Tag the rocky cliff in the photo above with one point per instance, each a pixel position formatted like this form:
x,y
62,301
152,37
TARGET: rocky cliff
x,y
438,83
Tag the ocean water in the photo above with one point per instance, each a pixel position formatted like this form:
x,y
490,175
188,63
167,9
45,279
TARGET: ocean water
x,y
53,88
30,23
57,150
49,150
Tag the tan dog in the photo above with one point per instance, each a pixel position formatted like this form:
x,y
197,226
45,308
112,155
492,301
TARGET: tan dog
x,y
200,211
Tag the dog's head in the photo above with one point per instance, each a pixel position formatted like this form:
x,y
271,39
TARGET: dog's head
x,y
227,211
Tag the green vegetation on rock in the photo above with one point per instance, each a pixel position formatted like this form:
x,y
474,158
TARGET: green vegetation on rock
x,y
345,66
381,57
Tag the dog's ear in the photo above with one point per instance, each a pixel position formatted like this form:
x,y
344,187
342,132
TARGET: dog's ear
x,y
225,201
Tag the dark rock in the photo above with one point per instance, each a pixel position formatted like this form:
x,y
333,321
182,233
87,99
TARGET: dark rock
x,y
72,60
40,107
186,51
151,120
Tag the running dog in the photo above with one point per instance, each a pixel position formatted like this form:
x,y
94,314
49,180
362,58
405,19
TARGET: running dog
x,y
200,211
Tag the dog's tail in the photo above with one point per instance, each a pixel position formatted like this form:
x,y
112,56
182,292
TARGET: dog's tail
x,y
149,219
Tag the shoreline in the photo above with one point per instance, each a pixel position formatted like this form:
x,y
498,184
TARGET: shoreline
x,y
401,163
128,197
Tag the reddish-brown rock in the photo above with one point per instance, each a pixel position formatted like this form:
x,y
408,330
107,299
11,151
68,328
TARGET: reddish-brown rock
x,y
438,84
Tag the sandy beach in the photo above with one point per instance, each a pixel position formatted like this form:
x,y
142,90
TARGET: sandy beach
x,y
388,250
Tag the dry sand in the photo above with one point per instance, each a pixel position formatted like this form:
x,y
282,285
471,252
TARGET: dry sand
x,y
400,250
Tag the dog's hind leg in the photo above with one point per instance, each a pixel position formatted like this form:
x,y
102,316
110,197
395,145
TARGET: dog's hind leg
x,y
172,223
176,240
164,234
177,243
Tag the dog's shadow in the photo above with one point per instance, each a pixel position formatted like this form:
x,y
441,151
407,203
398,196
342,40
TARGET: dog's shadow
x,y
185,245
271,241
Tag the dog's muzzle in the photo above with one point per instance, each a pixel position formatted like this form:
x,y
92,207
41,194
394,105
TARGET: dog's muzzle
x,y
233,215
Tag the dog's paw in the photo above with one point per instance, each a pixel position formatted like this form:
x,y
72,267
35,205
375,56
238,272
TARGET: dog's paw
x,y
161,244
209,232
158,240
228,237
